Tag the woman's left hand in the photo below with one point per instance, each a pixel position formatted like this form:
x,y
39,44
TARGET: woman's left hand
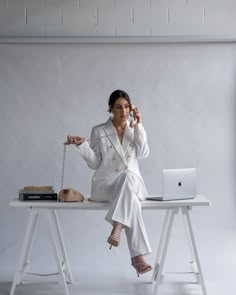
x,y
137,115
74,140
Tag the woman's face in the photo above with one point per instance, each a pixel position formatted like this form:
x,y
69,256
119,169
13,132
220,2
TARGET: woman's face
x,y
121,109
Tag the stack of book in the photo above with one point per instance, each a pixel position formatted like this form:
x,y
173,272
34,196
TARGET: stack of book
x,y
37,193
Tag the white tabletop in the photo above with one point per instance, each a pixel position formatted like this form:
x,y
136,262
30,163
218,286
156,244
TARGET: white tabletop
x,y
88,205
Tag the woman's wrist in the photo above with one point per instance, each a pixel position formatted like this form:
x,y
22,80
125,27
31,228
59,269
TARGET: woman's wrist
x,y
78,144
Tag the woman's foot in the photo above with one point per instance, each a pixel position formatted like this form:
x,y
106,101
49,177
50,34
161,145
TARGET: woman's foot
x,y
114,238
140,265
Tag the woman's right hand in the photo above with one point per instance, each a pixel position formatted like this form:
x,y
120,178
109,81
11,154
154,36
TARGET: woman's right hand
x,y
74,140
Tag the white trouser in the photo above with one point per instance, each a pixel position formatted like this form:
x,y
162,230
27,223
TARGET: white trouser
x,y
126,209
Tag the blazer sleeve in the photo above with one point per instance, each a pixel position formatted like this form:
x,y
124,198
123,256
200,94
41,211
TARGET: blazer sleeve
x,y
140,140
91,153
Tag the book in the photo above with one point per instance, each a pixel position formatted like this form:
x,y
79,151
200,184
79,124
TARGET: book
x,y
30,192
38,188
38,197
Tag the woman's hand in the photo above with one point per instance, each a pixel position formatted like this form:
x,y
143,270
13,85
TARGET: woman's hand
x,y
137,115
74,140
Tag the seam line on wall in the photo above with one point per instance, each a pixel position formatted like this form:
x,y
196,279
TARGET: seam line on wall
x,y
132,16
168,15
121,40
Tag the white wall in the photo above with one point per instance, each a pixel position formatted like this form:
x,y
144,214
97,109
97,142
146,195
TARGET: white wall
x,y
116,17
186,93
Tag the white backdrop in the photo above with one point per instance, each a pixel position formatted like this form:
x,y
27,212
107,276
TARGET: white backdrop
x,y
186,93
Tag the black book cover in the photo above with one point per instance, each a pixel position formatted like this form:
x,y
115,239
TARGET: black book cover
x,y
38,197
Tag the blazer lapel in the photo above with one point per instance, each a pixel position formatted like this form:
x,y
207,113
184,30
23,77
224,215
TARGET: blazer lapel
x,y
127,138
114,139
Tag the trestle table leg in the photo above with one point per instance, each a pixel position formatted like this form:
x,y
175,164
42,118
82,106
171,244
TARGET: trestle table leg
x,y
26,248
65,263
164,251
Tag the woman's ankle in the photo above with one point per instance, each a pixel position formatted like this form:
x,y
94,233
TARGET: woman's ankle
x,y
138,259
117,227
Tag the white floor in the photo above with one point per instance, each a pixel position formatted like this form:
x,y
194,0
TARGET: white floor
x,y
111,273
116,283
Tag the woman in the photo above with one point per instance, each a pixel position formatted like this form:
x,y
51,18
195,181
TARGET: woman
x,y
113,152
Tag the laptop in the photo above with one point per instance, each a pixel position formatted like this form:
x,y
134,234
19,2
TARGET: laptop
x,y
177,184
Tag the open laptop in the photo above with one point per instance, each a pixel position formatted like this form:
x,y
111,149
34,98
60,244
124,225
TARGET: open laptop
x,y
177,184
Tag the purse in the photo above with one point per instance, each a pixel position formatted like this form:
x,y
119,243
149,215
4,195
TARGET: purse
x,y
68,194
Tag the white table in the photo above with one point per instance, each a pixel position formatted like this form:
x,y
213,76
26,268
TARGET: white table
x,y
50,208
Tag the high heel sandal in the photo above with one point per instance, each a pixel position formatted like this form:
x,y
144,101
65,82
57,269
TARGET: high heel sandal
x,y
113,241
141,270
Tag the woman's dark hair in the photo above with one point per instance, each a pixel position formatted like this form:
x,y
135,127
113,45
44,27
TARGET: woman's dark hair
x,y
115,95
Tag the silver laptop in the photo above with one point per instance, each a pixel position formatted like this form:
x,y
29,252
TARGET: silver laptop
x,y
177,184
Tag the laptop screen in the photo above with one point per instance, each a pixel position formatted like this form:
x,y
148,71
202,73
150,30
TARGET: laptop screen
x,y
179,183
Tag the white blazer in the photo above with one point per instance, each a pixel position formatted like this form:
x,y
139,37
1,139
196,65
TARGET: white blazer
x,y
113,161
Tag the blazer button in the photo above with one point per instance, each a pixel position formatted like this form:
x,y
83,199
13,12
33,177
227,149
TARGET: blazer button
x,y
126,167
117,170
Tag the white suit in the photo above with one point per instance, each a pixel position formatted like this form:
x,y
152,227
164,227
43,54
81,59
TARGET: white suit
x,y
117,178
